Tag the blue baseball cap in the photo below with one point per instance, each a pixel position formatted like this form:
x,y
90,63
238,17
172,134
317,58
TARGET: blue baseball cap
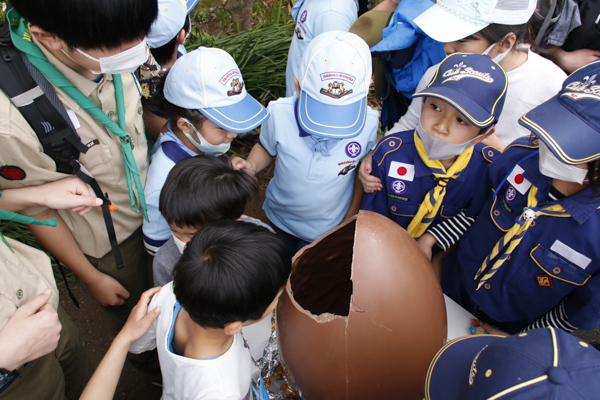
x,y
473,84
569,123
335,74
208,80
542,363
169,22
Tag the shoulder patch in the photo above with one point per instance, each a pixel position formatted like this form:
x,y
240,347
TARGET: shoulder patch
x,y
12,173
386,146
490,153
525,142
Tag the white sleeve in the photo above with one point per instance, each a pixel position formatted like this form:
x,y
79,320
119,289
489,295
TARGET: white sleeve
x,y
148,341
410,120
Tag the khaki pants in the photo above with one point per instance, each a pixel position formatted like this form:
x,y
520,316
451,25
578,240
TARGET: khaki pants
x,y
136,277
59,375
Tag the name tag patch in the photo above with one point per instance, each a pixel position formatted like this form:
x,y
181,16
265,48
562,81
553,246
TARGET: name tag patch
x,y
575,257
403,171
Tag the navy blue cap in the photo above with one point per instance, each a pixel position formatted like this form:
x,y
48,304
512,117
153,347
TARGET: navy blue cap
x,y
473,84
569,123
539,364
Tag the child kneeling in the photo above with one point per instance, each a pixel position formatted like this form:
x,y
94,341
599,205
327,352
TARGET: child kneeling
x,y
230,275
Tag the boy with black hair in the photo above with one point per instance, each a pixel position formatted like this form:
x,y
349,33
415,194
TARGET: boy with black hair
x,y
198,191
86,51
230,275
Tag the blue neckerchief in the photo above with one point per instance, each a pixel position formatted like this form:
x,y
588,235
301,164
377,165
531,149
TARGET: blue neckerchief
x,y
315,143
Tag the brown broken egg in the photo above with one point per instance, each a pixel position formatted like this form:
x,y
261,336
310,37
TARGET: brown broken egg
x,y
361,315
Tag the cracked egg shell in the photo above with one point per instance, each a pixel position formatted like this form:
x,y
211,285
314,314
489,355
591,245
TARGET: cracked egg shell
x,y
361,315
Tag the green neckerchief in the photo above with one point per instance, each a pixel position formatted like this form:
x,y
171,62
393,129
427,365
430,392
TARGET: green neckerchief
x,y
11,216
21,38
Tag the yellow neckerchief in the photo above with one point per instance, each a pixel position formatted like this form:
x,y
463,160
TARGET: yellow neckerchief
x,y
430,206
513,237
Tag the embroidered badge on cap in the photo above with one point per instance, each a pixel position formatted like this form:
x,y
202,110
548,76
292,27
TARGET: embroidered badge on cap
x,y
403,171
461,71
12,173
353,149
586,89
398,186
544,281
236,87
517,179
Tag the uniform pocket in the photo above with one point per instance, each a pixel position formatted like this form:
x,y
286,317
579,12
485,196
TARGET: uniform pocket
x,y
558,267
98,160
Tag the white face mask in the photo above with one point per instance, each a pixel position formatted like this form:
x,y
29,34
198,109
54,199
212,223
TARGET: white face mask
x,y
552,167
122,63
204,146
500,56
179,243
437,149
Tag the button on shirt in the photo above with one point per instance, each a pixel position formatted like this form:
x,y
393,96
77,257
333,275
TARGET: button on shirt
x,y
104,160
557,257
407,180
310,193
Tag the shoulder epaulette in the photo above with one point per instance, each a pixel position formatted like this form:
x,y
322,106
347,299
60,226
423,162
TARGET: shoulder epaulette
x,y
387,145
490,153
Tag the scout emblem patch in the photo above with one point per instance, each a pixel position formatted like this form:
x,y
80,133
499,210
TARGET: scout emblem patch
x,y
518,181
12,173
544,281
398,186
403,171
511,194
303,16
353,149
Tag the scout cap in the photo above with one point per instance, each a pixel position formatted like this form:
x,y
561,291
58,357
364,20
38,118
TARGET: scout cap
x,y
473,84
569,123
450,20
209,80
543,363
335,73
170,21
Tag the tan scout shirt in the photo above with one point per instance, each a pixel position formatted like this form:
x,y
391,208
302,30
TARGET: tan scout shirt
x,y
20,147
25,274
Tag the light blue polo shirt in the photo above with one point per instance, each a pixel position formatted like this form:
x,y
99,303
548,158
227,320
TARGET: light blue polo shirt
x,y
314,18
168,151
309,193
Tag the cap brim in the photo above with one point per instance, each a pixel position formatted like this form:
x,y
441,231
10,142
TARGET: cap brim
x,y
444,26
329,121
240,117
553,123
191,4
476,114
449,369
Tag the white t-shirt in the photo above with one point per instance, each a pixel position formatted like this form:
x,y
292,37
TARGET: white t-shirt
x,y
529,85
227,377
314,18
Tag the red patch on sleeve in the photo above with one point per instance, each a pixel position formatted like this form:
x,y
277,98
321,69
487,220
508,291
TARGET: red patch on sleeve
x,y
12,173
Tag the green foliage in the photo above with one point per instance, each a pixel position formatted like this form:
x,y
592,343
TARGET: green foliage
x,y
261,55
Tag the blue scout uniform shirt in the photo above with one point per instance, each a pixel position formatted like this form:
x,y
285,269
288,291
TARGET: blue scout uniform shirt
x,y
309,193
407,180
169,150
314,18
557,257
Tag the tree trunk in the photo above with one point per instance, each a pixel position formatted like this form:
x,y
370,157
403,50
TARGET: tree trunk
x,y
241,12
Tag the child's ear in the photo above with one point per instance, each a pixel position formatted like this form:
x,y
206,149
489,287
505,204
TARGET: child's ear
x,y
297,84
49,40
233,328
486,135
183,126
508,42
181,37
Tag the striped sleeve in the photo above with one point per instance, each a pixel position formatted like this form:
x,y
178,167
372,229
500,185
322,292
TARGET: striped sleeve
x,y
556,318
450,231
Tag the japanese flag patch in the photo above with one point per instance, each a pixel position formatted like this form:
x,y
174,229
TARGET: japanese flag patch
x,y
517,179
403,171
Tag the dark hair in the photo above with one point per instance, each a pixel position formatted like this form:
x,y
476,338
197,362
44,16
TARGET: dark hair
x,y
230,271
164,53
203,189
159,105
91,24
594,177
494,33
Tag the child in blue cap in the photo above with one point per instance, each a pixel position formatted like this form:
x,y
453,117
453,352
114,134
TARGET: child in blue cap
x,y
207,106
318,136
531,257
430,174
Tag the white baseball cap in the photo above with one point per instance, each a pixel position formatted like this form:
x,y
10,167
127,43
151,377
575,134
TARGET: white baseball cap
x,y
335,73
169,22
208,80
451,20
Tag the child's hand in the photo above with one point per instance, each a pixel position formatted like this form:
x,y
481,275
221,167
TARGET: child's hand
x,y
426,243
140,319
370,183
239,163
488,328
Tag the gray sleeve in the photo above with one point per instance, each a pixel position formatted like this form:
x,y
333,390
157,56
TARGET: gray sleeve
x,y
164,261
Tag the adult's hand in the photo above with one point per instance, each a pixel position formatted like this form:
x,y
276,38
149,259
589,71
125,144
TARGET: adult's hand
x,y
32,332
